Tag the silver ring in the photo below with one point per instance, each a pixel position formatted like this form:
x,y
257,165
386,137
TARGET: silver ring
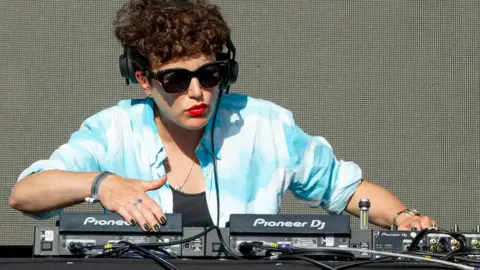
x,y
137,202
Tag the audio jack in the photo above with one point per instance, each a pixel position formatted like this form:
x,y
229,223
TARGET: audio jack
x,y
256,247
454,244
76,248
475,243
248,248
277,246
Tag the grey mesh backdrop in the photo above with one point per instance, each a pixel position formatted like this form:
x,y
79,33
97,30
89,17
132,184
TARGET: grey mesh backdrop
x,y
392,85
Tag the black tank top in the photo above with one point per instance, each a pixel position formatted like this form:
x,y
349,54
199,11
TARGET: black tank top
x,y
193,207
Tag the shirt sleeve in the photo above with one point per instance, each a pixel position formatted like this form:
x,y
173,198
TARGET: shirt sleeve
x,y
318,177
83,152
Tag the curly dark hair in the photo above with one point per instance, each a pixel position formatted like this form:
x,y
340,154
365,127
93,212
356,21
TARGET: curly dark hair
x,y
162,30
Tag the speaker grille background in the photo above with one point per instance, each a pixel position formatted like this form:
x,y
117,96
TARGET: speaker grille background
x,y
392,85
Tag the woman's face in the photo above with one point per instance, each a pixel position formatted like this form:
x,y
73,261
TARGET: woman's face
x,y
191,108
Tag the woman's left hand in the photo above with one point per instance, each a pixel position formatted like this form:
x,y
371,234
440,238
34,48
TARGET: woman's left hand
x,y
407,221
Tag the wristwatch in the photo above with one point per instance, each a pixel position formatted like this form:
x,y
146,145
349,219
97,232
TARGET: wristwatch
x,y
410,211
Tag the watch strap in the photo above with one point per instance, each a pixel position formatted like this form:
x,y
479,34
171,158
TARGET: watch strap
x,y
405,211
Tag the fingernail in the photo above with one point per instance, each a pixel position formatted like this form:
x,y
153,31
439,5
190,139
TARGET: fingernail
x,y
163,220
146,227
133,222
157,228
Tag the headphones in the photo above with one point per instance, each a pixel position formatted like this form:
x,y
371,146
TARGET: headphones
x,y
132,61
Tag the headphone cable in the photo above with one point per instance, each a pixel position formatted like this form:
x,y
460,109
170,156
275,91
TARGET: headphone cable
x,y
214,160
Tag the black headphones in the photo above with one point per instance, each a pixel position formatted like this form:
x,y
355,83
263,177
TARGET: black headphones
x,y
131,61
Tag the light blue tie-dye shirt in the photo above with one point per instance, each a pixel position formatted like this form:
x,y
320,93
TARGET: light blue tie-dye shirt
x,y
261,153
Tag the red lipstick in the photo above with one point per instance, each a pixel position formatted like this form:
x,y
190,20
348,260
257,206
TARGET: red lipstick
x,y
198,109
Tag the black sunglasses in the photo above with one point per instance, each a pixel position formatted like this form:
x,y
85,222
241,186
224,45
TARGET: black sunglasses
x,y
177,80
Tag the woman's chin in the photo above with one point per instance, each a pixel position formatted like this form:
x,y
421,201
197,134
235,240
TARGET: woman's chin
x,y
195,123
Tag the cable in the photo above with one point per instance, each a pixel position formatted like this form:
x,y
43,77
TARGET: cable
x,y
325,255
465,251
215,176
165,253
225,246
110,253
186,240
146,253
288,249
476,263
390,254
303,258
178,242
458,236
375,260
420,254
214,159
159,260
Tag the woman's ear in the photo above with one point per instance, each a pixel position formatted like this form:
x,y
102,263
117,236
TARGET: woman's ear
x,y
143,82
141,78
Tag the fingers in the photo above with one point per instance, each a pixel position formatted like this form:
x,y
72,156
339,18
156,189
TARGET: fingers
x,y
134,214
155,209
139,216
129,199
404,227
122,211
415,223
156,184
427,222
147,220
420,223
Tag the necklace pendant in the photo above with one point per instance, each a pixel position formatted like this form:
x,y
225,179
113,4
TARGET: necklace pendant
x,y
179,188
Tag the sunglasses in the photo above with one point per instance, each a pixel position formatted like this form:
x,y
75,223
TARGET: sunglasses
x,y
177,80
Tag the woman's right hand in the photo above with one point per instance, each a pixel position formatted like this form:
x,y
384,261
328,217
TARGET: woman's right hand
x,y
119,194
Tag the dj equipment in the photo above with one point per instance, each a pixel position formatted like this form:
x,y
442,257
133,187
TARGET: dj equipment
x,y
303,231
96,229
81,234
400,241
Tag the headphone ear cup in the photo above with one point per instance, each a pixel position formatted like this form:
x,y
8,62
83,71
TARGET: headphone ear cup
x,y
231,77
127,68
232,72
131,68
123,64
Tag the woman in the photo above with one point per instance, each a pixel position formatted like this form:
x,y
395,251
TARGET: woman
x,y
143,158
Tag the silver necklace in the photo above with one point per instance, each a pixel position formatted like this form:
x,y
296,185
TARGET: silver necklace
x,y
180,187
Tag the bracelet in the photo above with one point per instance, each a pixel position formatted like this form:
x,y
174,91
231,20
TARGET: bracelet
x,y
94,189
405,211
